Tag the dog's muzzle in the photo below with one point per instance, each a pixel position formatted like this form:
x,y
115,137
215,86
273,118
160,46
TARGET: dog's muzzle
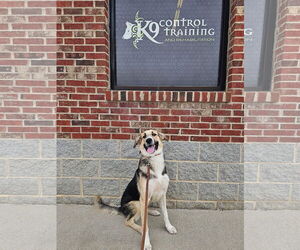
x,y
150,146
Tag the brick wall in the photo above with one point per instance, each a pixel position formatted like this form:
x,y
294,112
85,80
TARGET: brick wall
x,y
74,36
87,108
273,116
27,69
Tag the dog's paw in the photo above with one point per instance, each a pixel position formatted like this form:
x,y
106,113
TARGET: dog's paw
x,y
171,229
154,212
148,247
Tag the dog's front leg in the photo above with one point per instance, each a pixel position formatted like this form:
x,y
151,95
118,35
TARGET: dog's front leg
x,y
147,239
163,205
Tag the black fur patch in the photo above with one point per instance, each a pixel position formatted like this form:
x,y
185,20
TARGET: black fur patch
x,y
164,171
131,193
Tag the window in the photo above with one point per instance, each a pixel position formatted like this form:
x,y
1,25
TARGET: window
x,y
260,23
169,45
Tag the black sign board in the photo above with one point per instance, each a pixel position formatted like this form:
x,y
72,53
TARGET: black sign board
x,y
170,44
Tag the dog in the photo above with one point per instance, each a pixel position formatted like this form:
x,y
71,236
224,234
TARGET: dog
x,y
128,32
150,145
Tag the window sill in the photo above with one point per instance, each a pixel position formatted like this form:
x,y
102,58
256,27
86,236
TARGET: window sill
x,y
168,96
262,96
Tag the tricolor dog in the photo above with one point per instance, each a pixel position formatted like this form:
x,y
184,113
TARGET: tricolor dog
x,y
150,144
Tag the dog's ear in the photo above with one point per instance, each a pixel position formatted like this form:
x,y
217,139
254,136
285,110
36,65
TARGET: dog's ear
x,y
163,137
137,140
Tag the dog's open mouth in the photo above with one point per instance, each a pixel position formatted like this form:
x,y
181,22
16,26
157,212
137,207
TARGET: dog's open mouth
x,y
151,148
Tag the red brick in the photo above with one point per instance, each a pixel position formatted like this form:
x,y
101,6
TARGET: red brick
x,y
180,112
160,111
160,124
237,139
13,62
39,136
11,122
39,19
263,112
83,4
129,117
200,138
41,4
231,132
180,125
90,129
100,110
64,4
95,41
179,138
81,136
220,139
88,104
290,139
261,139
84,19
189,119
221,112
100,123
169,118
37,110
95,26
74,41
210,132
120,124
200,125
4,4
139,111
170,131
101,136
28,41
89,116
85,90
208,119
68,103
3,26
190,131
120,136
119,111
150,118
73,26
280,132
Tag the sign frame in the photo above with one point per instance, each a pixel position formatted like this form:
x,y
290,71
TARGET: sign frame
x,y
222,76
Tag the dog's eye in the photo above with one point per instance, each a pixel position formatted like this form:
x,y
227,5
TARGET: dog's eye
x,y
144,136
153,134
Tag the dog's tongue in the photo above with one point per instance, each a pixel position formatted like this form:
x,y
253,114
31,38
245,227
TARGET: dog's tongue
x,y
151,149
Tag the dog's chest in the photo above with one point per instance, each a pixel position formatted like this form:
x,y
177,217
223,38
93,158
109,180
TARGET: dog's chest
x,y
158,186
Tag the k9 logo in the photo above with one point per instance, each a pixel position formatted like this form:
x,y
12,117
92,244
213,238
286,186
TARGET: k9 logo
x,y
140,29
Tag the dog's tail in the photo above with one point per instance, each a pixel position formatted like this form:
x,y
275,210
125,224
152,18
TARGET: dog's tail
x,y
112,209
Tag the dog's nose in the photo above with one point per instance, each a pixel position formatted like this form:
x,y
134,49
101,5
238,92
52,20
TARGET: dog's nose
x,y
149,140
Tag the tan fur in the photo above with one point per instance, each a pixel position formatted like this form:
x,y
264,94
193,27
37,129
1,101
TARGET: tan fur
x,y
136,209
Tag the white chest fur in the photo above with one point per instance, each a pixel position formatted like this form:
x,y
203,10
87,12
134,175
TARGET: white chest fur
x,y
158,186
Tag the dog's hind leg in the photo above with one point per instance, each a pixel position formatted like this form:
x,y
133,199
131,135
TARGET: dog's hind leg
x,y
130,222
136,214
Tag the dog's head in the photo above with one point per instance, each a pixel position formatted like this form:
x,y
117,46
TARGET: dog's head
x,y
150,142
128,31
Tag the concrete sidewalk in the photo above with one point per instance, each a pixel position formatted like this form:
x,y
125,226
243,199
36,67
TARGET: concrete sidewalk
x,y
75,227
